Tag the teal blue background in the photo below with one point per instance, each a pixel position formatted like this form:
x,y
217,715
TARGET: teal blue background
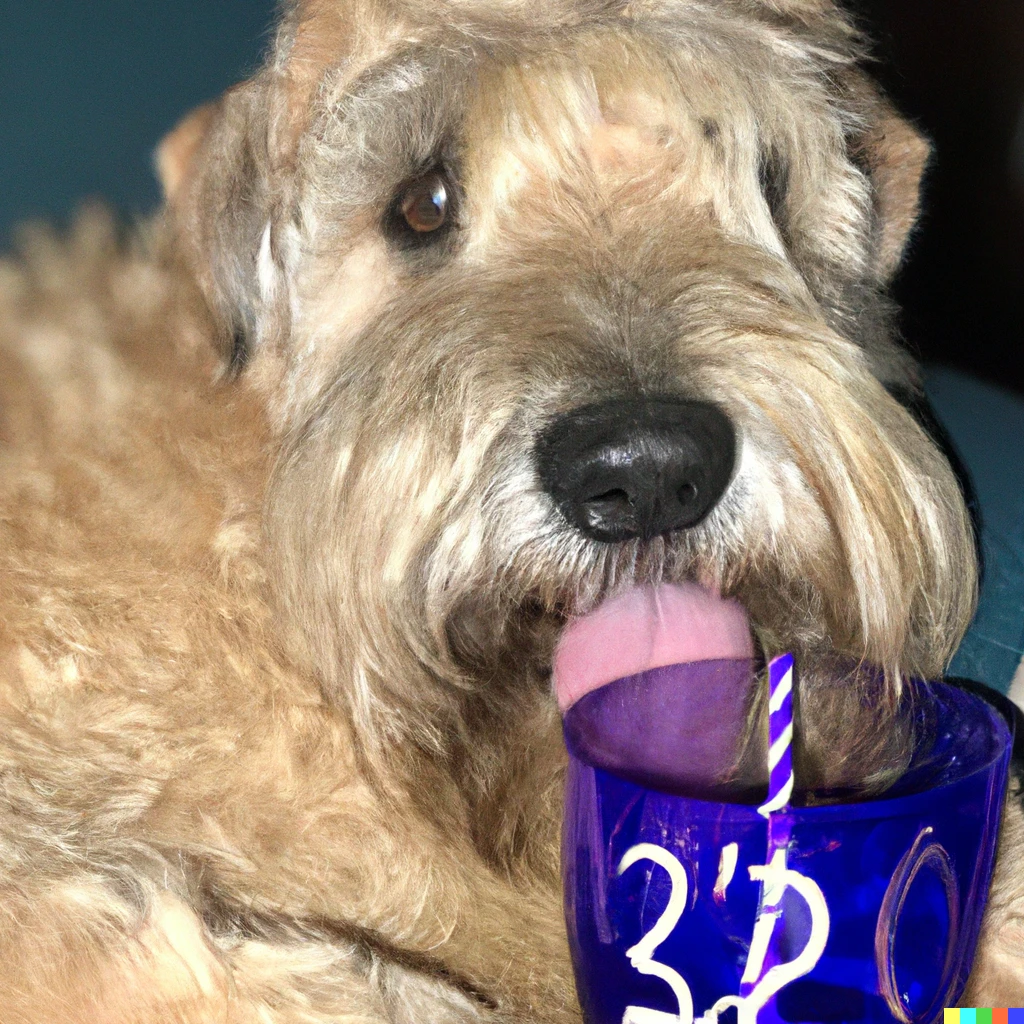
x,y
88,88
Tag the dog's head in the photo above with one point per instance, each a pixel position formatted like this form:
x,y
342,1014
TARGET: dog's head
x,y
551,298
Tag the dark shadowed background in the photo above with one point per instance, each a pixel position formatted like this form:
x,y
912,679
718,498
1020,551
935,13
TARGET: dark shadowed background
x,y
87,90
957,67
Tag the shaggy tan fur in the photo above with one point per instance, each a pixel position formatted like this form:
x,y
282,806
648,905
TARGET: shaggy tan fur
x,y
278,583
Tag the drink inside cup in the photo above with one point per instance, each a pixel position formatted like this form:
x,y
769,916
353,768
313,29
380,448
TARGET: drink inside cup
x,y
699,908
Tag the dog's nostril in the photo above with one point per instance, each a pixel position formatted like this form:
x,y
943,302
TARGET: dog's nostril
x,y
637,467
616,495
614,505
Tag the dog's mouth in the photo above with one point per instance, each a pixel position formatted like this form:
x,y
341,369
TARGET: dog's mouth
x,y
643,628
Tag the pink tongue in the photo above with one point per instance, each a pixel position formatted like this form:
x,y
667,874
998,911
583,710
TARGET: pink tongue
x,y
644,628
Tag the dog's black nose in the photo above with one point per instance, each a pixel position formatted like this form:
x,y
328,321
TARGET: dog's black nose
x,y
631,467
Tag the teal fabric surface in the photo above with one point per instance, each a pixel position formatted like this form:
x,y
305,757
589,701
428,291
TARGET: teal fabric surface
x,y
987,428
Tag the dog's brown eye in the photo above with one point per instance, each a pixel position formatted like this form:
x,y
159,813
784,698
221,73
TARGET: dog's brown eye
x,y
423,215
424,203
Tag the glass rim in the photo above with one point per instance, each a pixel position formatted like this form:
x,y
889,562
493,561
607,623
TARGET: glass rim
x,y
880,806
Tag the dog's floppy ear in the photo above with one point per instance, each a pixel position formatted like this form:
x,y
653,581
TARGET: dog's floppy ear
x,y
229,168
893,154
310,38
177,152
217,177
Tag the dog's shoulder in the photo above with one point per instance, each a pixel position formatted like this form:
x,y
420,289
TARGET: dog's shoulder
x,y
131,474
93,321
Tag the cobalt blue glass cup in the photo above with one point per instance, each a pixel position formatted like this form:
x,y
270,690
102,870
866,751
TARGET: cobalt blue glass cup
x,y
881,900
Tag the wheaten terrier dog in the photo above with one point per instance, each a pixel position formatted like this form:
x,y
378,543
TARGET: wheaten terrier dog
x,y
463,317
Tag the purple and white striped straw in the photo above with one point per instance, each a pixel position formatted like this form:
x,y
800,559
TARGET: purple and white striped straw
x,y
764,951
780,734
